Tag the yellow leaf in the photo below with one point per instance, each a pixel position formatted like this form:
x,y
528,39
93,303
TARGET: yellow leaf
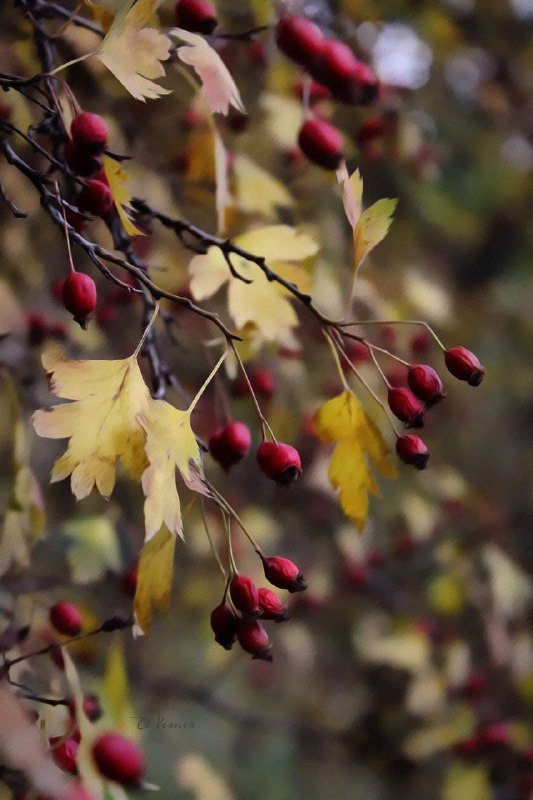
x,y
117,691
117,178
369,227
93,549
11,314
257,190
154,577
283,118
103,13
358,443
218,87
134,53
463,781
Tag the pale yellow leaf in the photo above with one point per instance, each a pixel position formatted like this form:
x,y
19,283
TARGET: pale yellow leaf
x,y
257,191
512,588
283,118
372,227
93,548
196,776
117,691
117,178
405,649
11,313
352,196
154,578
463,781
218,87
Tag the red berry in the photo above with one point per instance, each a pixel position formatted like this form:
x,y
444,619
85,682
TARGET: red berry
x,y
224,625
263,382
322,143
412,450
66,618
464,365
371,129
91,707
95,198
89,132
64,752
37,328
280,462
237,122
245,595
197,16
78,792
425,383
254,639
283,573
5,111
79,296
367,83
75,220
313,90
300,40
357,352
497,734
476,683
228,445
81,161
356,575
467,748
420,343
271,606
106,315
119,759
128,581
406,406
338,65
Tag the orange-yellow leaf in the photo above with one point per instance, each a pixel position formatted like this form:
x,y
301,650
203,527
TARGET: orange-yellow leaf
x,y
369,227
117,178
154,578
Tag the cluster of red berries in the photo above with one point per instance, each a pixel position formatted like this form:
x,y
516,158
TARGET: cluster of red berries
x,y
239,620
39,328
197,16
280,462
425,390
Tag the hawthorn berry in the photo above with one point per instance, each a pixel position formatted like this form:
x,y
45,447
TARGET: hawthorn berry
x,y
371,129
89,132
300,40
128,581
271,606
79,792
254,639
64,752
91,707
81,161
406,407
338,67
280,462
464,365
495,735
79,296
283,573
224,625
469,747
197,16
66,618
245,595
425,384
228,445
95,198
37,327
412,450
322,143
314,91
119,759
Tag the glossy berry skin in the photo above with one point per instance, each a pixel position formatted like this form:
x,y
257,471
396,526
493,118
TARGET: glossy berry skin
x,y
280,462
66,618
119,759
412,451
271,606
91,707
89,132
224,625
300,40
254,639
245,595
425,383
79,296
337,67
464,365
197,16
228,445
406,407
321,143
95,198
64,752
283,573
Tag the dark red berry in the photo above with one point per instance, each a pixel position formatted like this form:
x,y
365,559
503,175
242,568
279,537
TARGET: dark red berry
x,y
79,296
91,707
89,131
425,384
495,735
464,365
78,792
313,90
5,112
357,352
119,759
300,40
322,143
412,451
245,595
128,581
271,606
365,86
224,625
237,121
263,382
95,198
406,406
338,65
80,160
371,129
469,747
475,684
66,618
254,639
75,220
37,328
356,575
283,573
280,462
228,445
64,752
197,16
420,343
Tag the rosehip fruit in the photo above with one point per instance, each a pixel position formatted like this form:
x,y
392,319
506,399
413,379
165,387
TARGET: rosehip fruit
x,y
283,573
228,445
197,16
119,759
412,451
245,595
91,707
322,143
425,384
64,752
406,407
280,462
79,296
254,639
66,618
464,365
224,625
95,198
271,606
300,40
89,131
